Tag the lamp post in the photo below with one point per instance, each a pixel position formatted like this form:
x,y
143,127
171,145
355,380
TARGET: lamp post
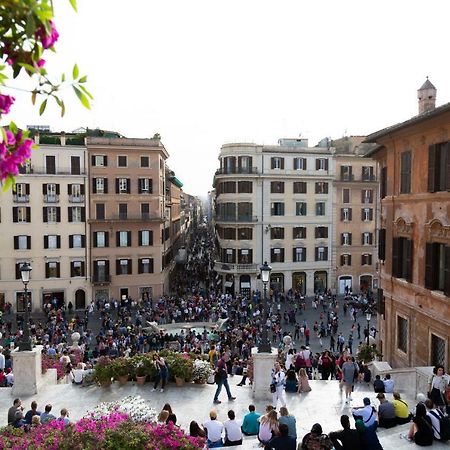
x,y
25,340
368,317
264,345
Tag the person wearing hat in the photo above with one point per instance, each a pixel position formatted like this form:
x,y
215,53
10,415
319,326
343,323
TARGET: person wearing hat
x,y
386,412
214,430
367,414
316,439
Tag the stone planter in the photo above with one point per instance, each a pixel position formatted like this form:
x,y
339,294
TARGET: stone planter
x,y
179,381
140,381
122,379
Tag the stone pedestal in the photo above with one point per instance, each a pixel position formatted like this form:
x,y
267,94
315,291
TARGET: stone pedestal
x,y
27,372
262,369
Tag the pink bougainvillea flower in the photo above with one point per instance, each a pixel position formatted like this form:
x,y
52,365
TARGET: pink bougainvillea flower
x,y
47,40
41,63
5,103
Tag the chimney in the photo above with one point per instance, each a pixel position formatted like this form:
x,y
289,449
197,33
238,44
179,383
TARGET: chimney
x,y
427,97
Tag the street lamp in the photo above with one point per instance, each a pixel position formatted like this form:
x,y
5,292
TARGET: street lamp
x,y
368,317
25,340
264,345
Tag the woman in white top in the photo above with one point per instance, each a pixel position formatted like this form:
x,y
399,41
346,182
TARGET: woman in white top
x,y
437,387
278,379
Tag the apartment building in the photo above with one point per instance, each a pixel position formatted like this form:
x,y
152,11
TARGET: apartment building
x,y
43,222
414,244
355,216
130,216
274,204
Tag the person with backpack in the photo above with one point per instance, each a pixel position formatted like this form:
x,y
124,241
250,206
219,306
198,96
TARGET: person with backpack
x,y
439,422
316,440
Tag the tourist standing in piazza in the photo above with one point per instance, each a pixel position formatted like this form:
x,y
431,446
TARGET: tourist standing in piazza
x,y
278,379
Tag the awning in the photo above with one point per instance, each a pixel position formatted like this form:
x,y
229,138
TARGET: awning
x,y
245,285
228,283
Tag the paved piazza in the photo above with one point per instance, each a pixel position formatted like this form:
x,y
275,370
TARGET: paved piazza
x,y
324,404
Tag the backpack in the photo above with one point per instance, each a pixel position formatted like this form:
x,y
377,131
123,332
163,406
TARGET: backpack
x,y
314,442
444,424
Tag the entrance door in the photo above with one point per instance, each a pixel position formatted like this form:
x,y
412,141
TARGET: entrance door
x,y
123,293
80,299
343,283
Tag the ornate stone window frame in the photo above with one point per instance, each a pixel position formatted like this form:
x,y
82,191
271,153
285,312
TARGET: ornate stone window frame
x,y
436,231
403,228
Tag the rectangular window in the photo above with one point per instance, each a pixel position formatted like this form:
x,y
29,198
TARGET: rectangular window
x,y
21,214
245,187
100,211
50,165
77,269
437,351
145,265
99,160
228,255
229,233
277,233
245,211
75,167
145,186
299,187
228,187
277,163
122,185
145,161
245,164
346,238
320,208
52,270
346,173
367,173
405,173
123,238
145,211
367,196
52,214
101,239
382,244
76,192
122,161
346,259
76,241
402,258
123,267
21,192
366,238
22,242
52,241
299,163
321,253
321,187
300,209
101,271
76,214
245,234
346,214
366,214
439,167
437,267
245,256
145,238
366,259
100,186
277,209
123,211
345,195
299,254
51,192
299,233
321,233
402,334
277,255
276,187
321,164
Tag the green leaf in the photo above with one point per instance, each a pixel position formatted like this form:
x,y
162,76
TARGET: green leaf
x,y
63,109
83,99
13,128
83,89
63,78
31,25
42,108
74,4
75,72
28,67
7,185
33,97
83,79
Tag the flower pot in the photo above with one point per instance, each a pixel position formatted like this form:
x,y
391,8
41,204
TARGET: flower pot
x,y
140,380
200,381
179,381
105,383
122,379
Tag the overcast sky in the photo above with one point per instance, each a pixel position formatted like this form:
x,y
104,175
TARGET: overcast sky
x,y
203,73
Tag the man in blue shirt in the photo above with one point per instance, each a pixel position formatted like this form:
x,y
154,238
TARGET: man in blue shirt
x,y
283,441
250,424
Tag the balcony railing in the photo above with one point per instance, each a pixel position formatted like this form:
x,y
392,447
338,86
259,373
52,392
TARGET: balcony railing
x,y
58,171
237,218
237,170
364,178
235,268
49,198
129,217
21,198
101,279
76,198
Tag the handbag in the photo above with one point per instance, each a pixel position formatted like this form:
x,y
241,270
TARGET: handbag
x,y
273,387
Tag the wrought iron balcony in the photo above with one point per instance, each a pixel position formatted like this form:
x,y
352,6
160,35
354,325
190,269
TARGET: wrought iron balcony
x,y
101,279
235,268
237,170
21,198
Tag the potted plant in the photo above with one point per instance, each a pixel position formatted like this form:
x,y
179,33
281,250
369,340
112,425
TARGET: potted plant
x,y
142,366
103,371
201,372
181,367
368,353
121,369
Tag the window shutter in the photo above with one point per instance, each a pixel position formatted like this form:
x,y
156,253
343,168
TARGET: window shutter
x,y
150,186
27,189
350,238
350,214
128,185
370,238
362,238
44,189
429,265
272,163
370,214
409,259
16,242
69,189
58,241
362,214
117,185
282,163
95,240
432,168
117,266
395,256
72,269
83,214
95,270
342,238
105,185
150,239
57,189
71,240
130,266
326,164
447,267
129,238
139,265
382,244
117,238
105,161
446,148
383,182
46,270
44,214
58,270
106,238
82,189
107,266
18,275
46,241
83,240
140,239
325,253
82,269
342,260
58,214
342,214
94,185
349,260
93,160
317,164
316,253
293,254
380,302
28,213
370,259
140,186
151,265
69,212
